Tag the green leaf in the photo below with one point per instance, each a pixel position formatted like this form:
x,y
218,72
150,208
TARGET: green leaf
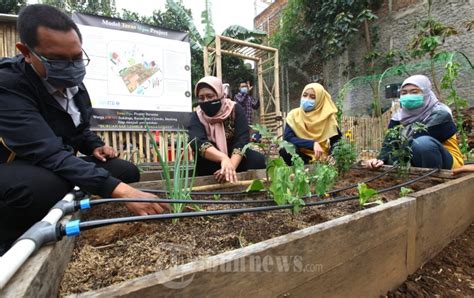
x,y
365,193
256,185
272,165
193,31
404,191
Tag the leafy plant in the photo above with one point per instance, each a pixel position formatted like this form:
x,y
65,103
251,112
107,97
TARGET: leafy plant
x,y
288,183
269,142
256,185
399,145
180,187
344,153
323,178
365,194
454,100
11,6
404,191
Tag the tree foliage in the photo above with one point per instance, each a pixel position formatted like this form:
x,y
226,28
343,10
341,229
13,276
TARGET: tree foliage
x,y
11,6
314,31
97,7
324,28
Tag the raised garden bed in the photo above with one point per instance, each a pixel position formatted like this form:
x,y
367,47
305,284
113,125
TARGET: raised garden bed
x,y
332,250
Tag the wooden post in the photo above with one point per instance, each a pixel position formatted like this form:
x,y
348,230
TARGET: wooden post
x,y
127,147
206,61
260,89
114,142
276,90
173,145
120,137
140,147
218,57
148,148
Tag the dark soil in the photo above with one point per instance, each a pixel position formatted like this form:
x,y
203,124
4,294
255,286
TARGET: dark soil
x,y
116,253
449,274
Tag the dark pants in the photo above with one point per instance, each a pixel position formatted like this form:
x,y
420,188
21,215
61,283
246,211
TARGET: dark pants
x,y
430,153
287,157
251,161
27,193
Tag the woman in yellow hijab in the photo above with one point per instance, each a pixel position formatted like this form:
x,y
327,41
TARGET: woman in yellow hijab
x,y
312,127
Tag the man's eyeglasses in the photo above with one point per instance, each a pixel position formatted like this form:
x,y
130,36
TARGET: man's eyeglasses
x,y
62,64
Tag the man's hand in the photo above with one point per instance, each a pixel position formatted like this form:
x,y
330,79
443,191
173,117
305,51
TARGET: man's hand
x,y
373,163
125,191
250,87
103,153
318,151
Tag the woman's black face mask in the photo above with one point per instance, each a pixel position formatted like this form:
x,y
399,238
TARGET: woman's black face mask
x,y
210,108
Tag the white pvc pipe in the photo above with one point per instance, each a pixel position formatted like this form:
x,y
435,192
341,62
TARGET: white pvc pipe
x,y
16,256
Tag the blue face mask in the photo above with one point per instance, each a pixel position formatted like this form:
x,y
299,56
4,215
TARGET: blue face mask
x,y
244,90
411,101
307,104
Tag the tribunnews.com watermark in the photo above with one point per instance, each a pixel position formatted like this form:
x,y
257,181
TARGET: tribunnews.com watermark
x,y
252,264
269,263
249,264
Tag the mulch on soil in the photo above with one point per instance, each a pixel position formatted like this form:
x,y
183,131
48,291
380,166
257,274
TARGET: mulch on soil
x,y
117,253
449,274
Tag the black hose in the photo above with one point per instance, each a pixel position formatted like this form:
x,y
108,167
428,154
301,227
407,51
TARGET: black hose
x,y
104,222
178,201
206,193
210,193
353,185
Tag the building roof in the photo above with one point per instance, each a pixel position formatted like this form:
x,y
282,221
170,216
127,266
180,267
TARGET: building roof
x,y
8,17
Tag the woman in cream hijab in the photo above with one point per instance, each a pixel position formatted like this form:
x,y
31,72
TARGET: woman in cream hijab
x,y
312,127
219,129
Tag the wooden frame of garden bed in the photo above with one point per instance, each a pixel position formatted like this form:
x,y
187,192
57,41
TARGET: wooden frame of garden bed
x,y
361,254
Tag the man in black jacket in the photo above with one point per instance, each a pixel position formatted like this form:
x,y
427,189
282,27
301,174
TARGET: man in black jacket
x,y
44,121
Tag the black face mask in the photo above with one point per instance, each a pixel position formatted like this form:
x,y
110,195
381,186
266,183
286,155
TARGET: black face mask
x,y
210,108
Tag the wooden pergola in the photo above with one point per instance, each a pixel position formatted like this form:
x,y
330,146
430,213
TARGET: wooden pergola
x,y
266,59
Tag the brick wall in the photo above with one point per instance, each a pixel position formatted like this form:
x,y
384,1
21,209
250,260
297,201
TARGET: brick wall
x,y
396,28
269,19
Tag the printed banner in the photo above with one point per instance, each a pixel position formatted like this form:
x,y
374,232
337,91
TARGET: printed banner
x,y
139,76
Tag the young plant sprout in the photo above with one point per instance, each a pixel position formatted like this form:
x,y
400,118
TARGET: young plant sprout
x,y
180,187
404,191
365,194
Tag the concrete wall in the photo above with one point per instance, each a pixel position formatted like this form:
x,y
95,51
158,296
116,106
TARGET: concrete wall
x,y
396,27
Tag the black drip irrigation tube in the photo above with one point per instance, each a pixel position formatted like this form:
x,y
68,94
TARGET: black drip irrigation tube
x,y
221,202
210,193
74,227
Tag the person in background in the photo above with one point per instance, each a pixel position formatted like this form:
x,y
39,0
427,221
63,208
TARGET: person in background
x,y
436,147
219,130
44,121
227,90
312,127
249,103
